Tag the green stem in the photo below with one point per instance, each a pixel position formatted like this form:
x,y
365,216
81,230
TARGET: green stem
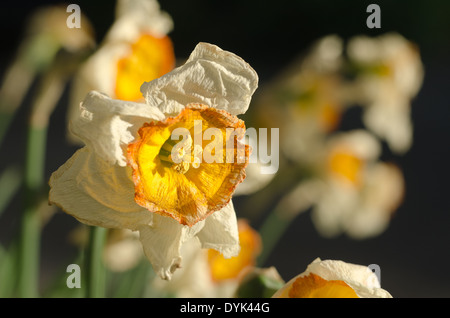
x,y
10,181
5,122
271,231
96,273
30,231
7,267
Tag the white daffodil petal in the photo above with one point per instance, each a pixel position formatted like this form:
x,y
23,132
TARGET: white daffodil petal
x,y
162,241
391,119
347,272
96,193
97,73
221,232
107,124
361,278
210,76
133,17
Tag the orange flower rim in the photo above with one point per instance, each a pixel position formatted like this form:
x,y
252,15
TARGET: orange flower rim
x,y
174,178
314,286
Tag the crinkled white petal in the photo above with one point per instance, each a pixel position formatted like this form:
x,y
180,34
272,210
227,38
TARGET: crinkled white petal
x,y
162,241
134,17
359,277
210,76
193,279
96,192
107,124
221,232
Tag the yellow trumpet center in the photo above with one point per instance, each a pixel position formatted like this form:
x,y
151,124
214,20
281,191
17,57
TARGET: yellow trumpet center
x,y
149,58
223,268
346,165
165,182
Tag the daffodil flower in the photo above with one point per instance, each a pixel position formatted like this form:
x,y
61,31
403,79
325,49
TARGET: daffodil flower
x,y
123,177
360,192
333,279
352,191
389,74
135,49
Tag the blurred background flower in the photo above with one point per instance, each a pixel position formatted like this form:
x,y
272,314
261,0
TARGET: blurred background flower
x,y
136,49
324,77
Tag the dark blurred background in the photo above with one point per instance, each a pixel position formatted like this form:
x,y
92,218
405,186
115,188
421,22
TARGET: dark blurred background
x,y
413,252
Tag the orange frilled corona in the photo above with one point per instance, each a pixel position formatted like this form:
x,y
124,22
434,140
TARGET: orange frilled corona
x,y
314,286
150,57
190,188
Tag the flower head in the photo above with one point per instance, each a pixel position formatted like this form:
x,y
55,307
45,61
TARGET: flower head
x,y
136,49
350,190
333,279
124,178
359,192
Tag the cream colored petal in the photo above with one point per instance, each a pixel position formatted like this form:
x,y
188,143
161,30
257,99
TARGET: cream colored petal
x,y
96,193
221,232
367,221
363,49
106,125
359,277
335,204
134,17
162,241
98,73
193,279
391,120
381,195
210,76
339,270
123,254
325,54
359,141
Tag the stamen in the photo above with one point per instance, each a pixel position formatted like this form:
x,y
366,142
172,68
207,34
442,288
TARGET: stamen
x,y
183,155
